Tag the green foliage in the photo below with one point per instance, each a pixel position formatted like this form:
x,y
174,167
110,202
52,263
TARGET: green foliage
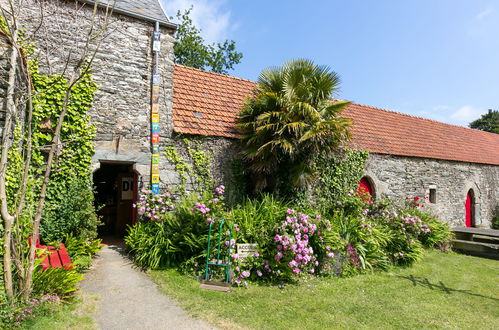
x,y
22,313
198,173
489,122
190,48
176,237
78,246
74,214
495,218
289,121
58,281
258,219
338,175
69,202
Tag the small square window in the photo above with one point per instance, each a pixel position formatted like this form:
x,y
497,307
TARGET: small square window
x,y
433,196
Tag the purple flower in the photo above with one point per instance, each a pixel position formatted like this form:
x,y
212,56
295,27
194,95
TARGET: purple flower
x,y
296,271
278,256
245,274
290,211
259,273
256,255
235,256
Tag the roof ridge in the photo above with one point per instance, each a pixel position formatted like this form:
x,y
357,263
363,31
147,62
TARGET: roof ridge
x,y
215,73
423,118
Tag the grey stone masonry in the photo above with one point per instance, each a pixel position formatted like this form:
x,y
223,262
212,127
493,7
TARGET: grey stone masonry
x,y
122,69
399,177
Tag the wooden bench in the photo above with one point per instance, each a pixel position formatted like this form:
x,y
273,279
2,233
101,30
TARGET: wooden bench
x,y
477,241
54,257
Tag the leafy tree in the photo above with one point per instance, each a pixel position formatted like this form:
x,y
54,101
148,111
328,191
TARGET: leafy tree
x,y
290,120
190,48
489,122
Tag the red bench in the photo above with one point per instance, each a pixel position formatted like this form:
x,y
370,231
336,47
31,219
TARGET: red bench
x,y
54,257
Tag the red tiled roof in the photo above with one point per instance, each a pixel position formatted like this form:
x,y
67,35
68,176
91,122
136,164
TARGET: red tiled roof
x,y
206,103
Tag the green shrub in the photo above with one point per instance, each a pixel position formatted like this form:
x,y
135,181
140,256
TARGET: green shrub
x,y
258,219
176,237
80,247
495,218
74,213
59,281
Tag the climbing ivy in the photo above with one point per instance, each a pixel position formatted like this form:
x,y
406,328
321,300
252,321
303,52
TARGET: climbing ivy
x,y
196,167
72,167
338,175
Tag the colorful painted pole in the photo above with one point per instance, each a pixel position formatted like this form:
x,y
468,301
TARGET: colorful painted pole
x,y
155,84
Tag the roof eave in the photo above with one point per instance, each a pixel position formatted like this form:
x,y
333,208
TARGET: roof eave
x,y
143,17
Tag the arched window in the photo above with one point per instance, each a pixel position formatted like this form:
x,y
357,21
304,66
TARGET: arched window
x,y
469,209
366,187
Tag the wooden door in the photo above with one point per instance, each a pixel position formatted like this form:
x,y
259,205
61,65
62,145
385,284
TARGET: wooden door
x,y
365,186
468,207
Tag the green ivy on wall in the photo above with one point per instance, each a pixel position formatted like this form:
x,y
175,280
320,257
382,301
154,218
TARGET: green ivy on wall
x,y
338,175
196,167
72,168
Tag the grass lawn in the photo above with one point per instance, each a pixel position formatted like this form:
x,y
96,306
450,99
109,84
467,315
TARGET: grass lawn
x,y
441,291
72,316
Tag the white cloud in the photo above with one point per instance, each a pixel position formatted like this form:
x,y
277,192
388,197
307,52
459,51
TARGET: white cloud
x,y
466,114
481,15
210,16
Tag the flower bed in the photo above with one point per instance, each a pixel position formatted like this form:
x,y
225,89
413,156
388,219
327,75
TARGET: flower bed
x,y
292,245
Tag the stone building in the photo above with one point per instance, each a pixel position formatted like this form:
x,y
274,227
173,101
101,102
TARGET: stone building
x,y
409,156
457,168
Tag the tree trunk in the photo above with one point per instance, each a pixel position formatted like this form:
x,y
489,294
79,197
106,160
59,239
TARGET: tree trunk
x,y
53,154
6,144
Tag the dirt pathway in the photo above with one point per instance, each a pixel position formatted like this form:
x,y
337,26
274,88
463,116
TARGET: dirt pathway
x,y
129,299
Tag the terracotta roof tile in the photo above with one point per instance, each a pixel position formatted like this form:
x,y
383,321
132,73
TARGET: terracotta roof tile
x,y
206,103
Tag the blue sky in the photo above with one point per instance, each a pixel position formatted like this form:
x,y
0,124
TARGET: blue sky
x,y
437,59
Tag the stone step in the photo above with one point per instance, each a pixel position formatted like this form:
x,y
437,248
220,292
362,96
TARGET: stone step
x,y
476,238
476,231
480,249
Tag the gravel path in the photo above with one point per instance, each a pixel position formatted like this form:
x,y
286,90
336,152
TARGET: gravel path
x,y
129,299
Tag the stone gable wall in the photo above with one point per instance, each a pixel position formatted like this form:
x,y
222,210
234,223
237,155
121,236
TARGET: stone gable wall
x,y
399,177
122,70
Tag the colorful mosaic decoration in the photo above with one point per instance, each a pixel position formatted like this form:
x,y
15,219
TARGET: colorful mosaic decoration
x,y
155,88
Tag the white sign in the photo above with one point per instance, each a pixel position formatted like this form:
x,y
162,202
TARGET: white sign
x,y
246,250
127,188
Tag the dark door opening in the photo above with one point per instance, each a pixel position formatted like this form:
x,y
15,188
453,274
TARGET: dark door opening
x,y
115,192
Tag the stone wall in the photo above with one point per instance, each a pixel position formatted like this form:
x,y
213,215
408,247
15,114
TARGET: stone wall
x,y
398,177
122,70
222,151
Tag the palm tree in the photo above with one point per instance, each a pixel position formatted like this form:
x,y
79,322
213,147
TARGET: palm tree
x,y
290,119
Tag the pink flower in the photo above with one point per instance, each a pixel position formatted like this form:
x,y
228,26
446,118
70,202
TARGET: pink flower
x,y
245,274
330,255
312,271
256,255
259,273
290,211
278,256
296,271
235,256
210,220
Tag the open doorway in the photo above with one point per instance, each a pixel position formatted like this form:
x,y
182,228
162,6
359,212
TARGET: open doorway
x,y
115,192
